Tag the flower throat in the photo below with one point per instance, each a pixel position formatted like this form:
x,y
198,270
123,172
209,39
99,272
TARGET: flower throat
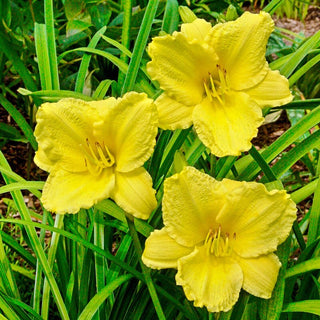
x,y
217,88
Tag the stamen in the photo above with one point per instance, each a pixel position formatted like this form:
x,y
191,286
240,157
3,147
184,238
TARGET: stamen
x,y
97,158
222,80
207,91
216,88
218,243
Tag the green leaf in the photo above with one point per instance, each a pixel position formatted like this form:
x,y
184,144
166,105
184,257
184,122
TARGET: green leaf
x,y
113,210
123,67
83,70
19,66
247,170
7,280
171,17
11,133
20,120
314,223
139,46
101,296
296,153
303,267
100,15
51,43
40,39
102,89
302,70
55,95
306,47
27,185
309,306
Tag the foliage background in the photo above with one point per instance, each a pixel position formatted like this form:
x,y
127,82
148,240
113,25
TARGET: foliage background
x,y
87,266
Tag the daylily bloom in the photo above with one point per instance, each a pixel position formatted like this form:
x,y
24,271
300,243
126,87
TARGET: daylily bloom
x,y
217,79
221,236
95,150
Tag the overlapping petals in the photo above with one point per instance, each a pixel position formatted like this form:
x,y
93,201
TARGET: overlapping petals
x,y
220,235
219,79
95,150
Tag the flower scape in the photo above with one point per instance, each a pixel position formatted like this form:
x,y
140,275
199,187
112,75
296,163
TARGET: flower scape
x,y
221,236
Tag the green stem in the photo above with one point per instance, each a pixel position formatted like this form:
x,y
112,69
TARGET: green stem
x,y
145,270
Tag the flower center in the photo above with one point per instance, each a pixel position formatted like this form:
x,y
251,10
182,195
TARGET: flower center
x,y
217,243
216,88
97,157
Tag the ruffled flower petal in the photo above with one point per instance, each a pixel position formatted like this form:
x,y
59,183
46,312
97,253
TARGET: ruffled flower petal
x,y
172,114
66,192
161,251
241,47
272,91
130,128
260,274
180,67
133,192
190,204
227,128
61,132
210,281
196,30
261,220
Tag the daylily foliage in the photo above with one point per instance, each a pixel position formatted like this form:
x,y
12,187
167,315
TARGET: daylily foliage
x,y
220,235
95,150
217,79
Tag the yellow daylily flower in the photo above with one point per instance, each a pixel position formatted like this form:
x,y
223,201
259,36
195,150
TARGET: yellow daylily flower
x,y
220,236
217,79
95,150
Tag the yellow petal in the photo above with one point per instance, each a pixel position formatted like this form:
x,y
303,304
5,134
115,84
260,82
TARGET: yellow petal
x,y
211,282
261,219
196,30
129,130
66,192
241,47
190,204
61,131
172,114
180,67
227,128
133,192
272,91
161,251
260,274
103,107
